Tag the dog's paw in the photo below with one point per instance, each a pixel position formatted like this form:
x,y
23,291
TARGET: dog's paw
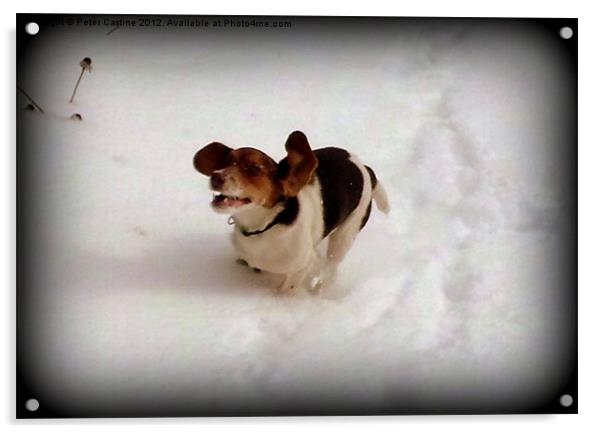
x,y
291,293
286,289
315,285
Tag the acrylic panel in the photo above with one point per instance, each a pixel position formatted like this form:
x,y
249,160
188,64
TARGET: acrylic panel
x,y
460,300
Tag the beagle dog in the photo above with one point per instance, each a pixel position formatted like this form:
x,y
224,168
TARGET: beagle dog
x,y
282,211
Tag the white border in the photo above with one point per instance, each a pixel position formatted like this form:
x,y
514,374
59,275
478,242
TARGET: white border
x,y
590,215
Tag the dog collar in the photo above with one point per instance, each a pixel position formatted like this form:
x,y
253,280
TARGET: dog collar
x,y
258,232
286,216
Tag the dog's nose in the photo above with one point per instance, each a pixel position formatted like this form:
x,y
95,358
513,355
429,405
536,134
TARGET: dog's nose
x,y
217,181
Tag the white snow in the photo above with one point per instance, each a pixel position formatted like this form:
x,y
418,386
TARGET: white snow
x,y
449,300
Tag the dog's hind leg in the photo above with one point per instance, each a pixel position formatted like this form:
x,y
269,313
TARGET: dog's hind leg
x,y
342,238
340,242
293,281
298,278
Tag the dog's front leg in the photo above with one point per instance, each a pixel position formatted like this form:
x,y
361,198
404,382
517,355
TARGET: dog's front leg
x,y
297,278
287,287
292,281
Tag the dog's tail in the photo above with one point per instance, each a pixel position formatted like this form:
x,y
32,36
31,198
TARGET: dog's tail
x,y
378,192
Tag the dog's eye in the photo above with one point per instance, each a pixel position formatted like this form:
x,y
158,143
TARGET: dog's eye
x,y
252,169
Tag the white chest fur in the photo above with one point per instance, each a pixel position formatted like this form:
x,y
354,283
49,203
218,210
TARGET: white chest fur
x,y
282,249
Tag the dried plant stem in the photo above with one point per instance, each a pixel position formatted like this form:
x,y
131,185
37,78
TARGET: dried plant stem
x,y
30,100
112,30
77,84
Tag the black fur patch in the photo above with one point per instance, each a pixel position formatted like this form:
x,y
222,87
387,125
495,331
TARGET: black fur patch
x,y
342,185
373,179
283,169
373,182
367,215
290,211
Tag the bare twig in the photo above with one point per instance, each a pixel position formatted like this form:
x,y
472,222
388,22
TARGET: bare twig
x,y
77,85
112,30
86,65
30,100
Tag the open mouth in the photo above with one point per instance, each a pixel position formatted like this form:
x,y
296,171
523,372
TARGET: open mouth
x,y
221,200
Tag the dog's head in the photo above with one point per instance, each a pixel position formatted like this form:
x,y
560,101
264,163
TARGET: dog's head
x,y
247,176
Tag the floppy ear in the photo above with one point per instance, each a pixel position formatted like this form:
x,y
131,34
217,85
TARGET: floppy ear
x,y
296,170
211,157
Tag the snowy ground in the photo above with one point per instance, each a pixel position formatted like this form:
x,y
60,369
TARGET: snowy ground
x,y
449,302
